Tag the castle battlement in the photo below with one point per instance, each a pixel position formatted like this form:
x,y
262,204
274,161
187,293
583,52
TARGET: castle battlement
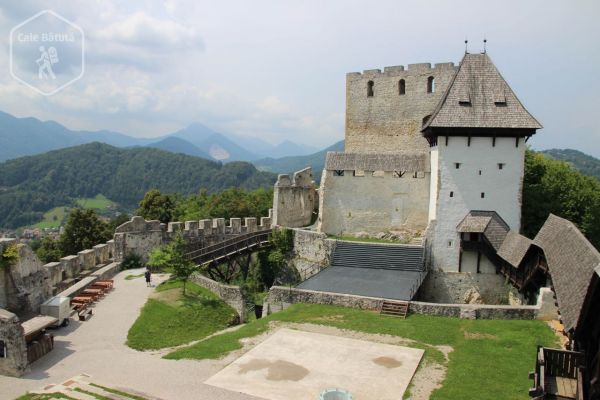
x,y
400,70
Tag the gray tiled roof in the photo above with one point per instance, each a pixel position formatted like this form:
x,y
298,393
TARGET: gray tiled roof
x,y
412,162
514,247
489,223
479,97
572,261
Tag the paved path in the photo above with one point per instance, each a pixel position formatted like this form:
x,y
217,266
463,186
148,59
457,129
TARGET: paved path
x,y
97,347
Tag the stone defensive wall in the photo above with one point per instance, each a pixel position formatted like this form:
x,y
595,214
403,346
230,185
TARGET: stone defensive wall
x,y
280,298
141,237
402,184
230,294
25,285
385,110
294,199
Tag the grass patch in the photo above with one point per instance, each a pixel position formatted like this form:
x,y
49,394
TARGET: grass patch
x,y
45,396
171,319
118,392
492,360
53,218
91,394
130,277
100,202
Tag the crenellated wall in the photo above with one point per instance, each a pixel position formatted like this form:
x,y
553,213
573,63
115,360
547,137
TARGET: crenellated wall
x,y
141,237
388,121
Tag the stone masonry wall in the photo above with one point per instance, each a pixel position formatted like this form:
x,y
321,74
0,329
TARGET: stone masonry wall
x,y
294,200
389,121
230,294
312,252
373,204
14,362
280,298
454,287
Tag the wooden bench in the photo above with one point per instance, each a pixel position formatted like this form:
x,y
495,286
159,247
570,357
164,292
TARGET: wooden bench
x,y
84,313
94,293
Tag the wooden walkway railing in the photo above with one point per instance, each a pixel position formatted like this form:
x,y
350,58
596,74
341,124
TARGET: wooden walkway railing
x,y
557,373
229,247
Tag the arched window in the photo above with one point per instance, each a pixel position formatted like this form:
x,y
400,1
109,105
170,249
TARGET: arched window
x,y
401,87
370,85
431,84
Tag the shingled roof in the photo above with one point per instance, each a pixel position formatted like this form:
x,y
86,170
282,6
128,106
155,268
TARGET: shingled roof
x,y
572,262
404,161
514,247
479,97
489,223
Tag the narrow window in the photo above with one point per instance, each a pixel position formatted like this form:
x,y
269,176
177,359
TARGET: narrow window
x,y
450,243
401,87
431,84
370,85
451,194
479,172
500,165
2,349
457,165
482,195
338,172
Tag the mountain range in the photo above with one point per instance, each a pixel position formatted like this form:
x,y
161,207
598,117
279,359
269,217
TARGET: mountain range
x,y
29,136
584,163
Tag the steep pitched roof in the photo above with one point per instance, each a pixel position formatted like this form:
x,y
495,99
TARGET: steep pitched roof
x,y
479,97
514,248
572,262
489,223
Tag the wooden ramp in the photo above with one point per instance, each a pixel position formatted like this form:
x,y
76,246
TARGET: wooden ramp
x,y
394,308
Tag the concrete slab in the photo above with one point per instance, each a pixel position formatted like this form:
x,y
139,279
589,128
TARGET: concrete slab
x,y
297,365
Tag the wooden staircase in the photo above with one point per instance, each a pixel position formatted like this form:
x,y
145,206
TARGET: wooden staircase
x,y
394,308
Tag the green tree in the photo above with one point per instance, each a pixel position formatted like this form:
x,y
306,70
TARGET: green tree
x,y
552,186
9,255
182,266
156,205
159,259
118,220
83,230
49,250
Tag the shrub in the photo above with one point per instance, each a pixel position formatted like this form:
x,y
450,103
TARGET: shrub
x,y
132,261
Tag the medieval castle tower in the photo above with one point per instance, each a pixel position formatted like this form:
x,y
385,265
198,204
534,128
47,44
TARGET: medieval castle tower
x,y
437,151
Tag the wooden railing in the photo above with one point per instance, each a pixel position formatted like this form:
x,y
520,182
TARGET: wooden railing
x,y
228,247
558,364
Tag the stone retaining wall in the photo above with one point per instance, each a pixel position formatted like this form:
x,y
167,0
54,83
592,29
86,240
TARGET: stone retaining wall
x,y
230,294
312,252
13,346
281,297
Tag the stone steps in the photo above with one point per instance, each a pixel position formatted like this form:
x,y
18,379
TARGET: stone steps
x,y
379,256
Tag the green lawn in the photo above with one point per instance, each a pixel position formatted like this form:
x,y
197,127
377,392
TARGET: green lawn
x,y
100,202
491,359
170,319
48,396
131,276
53,218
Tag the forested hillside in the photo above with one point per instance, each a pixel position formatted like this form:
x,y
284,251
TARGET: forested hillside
x,y
584,163
31,185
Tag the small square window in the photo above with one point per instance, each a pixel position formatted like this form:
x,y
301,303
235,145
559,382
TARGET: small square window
x,y
482,195
501,165
457,165
451,194
338,172
450,243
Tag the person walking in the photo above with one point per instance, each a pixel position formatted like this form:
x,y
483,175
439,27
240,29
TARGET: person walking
x,y
148,277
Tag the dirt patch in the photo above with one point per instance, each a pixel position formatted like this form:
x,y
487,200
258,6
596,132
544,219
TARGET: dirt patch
x,y
477,335
558,330
388,362
428,378
170,296
330,318
276,370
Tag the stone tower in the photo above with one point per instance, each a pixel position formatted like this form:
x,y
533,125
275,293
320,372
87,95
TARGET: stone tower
x,y
385,110
477,136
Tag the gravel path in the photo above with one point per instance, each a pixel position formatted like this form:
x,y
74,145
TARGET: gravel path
x,y
97,347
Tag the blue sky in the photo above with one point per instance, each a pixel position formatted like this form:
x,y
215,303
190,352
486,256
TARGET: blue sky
x,y
276,69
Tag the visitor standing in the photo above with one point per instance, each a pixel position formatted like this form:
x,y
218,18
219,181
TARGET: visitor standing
x,y
148,277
